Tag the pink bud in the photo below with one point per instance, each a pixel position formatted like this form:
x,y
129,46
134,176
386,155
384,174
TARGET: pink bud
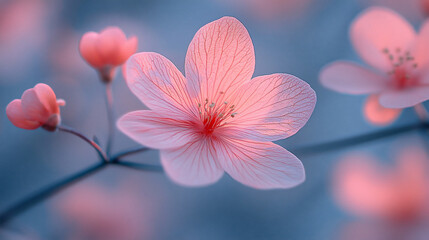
x,y
38,107
106,50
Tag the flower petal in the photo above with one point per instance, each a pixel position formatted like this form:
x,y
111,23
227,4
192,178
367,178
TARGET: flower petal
x,y
377,29
220,58
155,130
47,97
262,165
17,117
351,78
271,107
109,45
403,98
88,51
195,164
159,85
33,107
128,49
379,115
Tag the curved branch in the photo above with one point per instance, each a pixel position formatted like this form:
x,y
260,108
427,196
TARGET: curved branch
x,y
81,136
47,192
119,155
352,141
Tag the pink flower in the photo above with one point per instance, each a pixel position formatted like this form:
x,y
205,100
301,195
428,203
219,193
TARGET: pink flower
x,y
107,50
217,118
38,107
398,194
399,58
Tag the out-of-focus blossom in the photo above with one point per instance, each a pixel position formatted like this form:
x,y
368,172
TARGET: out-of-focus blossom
x,y
400,60
414,10
24,31
217,118
106,50
270,9
93,212
38,107
399,194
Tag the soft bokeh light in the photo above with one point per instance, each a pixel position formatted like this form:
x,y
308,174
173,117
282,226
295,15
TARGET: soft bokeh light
x,y
92,211
394,198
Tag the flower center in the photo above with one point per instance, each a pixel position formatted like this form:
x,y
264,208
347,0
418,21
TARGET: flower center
x,y
403,67
213,114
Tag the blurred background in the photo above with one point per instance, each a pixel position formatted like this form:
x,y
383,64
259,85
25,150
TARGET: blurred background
x,y
39,43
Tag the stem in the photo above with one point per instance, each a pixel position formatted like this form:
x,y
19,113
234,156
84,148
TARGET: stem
x,y
110,117
92,143
47,192
352,141
120,155
138,166
421,112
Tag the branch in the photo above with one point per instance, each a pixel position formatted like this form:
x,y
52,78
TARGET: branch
x,y
117,156
353,141
110,117
47,192
138,166
81,136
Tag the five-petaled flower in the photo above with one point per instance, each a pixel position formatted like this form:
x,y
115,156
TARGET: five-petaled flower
x,y
395,194
399,56
38,107
107,50
217,118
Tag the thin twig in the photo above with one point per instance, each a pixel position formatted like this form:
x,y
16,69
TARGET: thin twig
x,y
128,152
47,192
138,166
92,143
352,141
110,117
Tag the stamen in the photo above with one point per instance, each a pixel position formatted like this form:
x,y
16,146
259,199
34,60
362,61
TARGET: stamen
x,y
402,66
214,115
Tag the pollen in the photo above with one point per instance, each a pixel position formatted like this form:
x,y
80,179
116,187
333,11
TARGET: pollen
x,y
403,65
214,115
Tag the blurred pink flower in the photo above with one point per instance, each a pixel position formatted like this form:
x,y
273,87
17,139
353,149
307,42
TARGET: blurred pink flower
x,y
399,194
25,27
107,50
270,9
38,107
414,10
217,119
93,212
400,60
